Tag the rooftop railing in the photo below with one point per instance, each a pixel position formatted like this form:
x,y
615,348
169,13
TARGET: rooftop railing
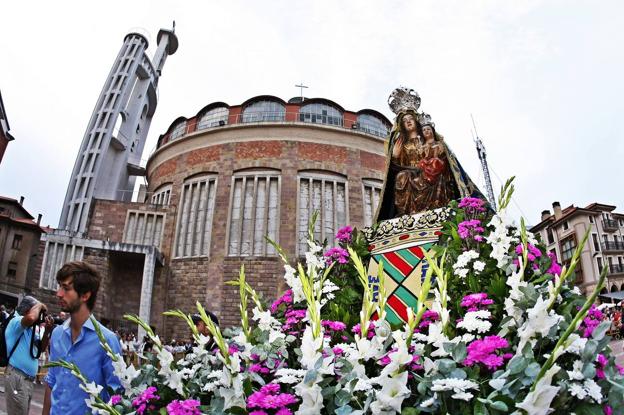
x,y
616,269
612,246
222,120
609,224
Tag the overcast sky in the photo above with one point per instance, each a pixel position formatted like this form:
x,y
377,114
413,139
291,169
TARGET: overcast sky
x,y
544,79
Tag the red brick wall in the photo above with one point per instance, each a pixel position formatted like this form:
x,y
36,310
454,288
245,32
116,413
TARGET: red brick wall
x,y
184,281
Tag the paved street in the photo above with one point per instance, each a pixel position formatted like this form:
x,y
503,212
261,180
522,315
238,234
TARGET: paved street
x,y
37,402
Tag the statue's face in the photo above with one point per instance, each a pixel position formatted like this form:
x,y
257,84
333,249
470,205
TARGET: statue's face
x,y
427,132
409,123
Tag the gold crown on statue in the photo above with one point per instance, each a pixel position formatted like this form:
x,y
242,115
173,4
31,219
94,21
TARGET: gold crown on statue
x,y
425,119
402,99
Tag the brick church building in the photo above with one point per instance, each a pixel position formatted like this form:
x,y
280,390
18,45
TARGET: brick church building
x,y
218,182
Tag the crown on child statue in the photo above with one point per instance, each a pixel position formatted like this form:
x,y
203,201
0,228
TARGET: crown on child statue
x,y
425,119
402,99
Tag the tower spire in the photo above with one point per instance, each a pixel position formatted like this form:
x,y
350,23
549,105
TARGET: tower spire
x,y
484,165
108,159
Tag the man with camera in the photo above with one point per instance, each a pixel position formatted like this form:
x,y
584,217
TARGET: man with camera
x,y
76,341
24,347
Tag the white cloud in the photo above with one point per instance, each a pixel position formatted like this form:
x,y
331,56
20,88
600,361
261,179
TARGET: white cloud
x,y
543,79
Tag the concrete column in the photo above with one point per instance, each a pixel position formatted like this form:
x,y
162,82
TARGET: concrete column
x,y
147,286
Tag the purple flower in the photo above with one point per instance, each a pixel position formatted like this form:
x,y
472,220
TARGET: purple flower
x,y
371,330
555,268
471,229
115,399
593,318
476,301
142,400
484,351
286,298
472,205
187,407
336,254
344,234
334,325
268,397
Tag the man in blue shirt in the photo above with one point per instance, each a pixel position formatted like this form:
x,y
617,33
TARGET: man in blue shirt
x,y
23,352
77,342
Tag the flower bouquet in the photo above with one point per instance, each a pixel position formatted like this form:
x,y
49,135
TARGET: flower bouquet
x,y
498,329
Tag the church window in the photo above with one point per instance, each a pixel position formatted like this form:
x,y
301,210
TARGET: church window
x,y
327,194
196,209
254,213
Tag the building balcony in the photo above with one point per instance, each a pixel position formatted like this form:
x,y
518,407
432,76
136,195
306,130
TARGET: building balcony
x,y
612,246
616,269
609,225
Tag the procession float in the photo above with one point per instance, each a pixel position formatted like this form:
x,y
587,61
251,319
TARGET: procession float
x,y
444,306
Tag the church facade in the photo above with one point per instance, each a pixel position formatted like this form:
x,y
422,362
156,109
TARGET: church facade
x,y
218,183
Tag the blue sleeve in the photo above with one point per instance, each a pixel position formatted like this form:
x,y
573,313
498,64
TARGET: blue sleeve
x,y
15,327
50,378
109,373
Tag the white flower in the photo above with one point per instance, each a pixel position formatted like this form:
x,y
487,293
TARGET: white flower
x,y
286,375
430,401
92,388
393,392
464,396
576,389
460,272
313,261
478,266
293,281
126,374
458,386
311,399
266,322
576,290
314,248
593,390
577,371
575,344
476,321
499,239
539,321
538,402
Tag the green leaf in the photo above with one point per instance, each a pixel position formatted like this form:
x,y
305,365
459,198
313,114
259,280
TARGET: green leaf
x,y
600,331
344,410
310,377
588,409
459,352
342,398
499,406
446,365
532,370
410,411
480,409
517,364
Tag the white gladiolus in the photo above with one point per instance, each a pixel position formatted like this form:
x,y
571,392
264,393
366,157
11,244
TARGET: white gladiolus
x,y
538,402
539,321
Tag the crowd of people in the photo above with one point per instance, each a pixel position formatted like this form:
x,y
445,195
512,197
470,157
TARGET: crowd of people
x,y
614,314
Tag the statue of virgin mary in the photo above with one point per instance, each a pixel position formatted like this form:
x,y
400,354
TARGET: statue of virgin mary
x,y
422,172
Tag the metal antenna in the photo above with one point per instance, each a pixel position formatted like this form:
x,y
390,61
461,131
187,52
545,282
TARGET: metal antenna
x,y
484,165
173,30
301,86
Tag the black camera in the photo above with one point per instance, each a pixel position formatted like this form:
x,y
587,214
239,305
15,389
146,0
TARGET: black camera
x,y
42,317
58,321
